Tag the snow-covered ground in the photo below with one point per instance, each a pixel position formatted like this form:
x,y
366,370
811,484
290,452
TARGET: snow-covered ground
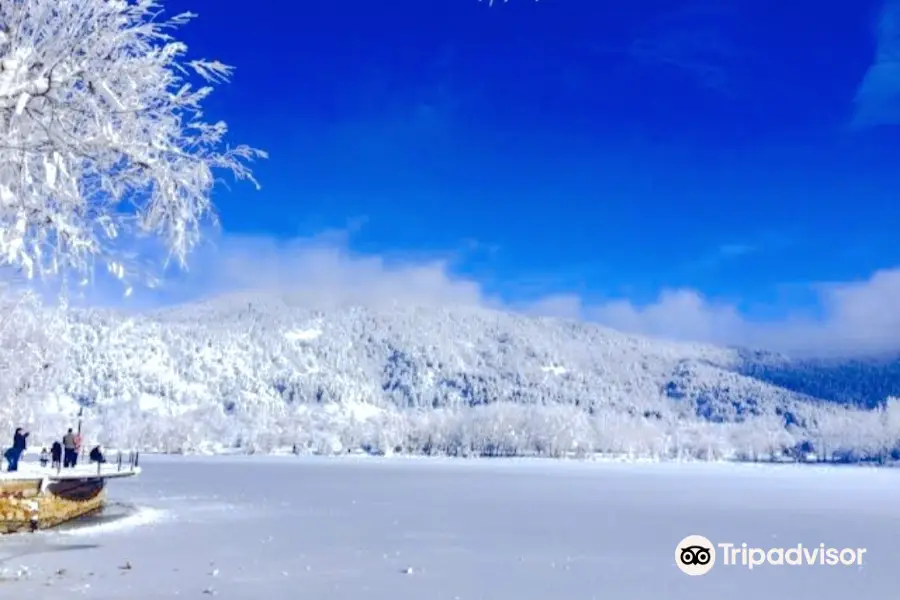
x,y
397,529
33,470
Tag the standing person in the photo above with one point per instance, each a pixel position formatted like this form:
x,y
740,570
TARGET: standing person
x,y
70,449
56,451
45,457
20,443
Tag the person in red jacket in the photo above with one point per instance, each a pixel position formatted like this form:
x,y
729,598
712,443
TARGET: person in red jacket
x,y
77,447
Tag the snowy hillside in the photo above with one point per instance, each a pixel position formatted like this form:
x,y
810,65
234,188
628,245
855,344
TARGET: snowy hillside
x,y
258,374
860,382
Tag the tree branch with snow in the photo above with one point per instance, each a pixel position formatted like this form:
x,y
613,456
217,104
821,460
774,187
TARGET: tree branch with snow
x,y
102,135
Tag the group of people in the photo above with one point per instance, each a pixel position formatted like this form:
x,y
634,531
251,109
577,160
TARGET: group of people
x,y
62,454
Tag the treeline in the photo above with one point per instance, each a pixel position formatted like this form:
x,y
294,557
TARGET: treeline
x,y
505,429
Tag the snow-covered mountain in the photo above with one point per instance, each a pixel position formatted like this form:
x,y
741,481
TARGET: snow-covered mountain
x,y
257,373
863,382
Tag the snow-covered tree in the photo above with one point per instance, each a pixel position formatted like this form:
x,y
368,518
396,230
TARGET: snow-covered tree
x,y
102,136
34,347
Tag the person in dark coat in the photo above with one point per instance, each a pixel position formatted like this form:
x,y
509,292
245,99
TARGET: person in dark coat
x,y
56,451
96,455
19,445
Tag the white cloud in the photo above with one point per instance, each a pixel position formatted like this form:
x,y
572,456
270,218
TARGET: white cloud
x,y
320,271
680,314
856,316
878,95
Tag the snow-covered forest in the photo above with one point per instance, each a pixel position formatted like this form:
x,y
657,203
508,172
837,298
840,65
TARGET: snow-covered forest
x,y
256,374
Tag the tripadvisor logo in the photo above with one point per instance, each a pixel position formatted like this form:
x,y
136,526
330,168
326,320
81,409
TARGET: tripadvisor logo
x,y
696,555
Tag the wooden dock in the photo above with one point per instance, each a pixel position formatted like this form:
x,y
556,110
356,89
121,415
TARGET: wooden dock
x,y
37,497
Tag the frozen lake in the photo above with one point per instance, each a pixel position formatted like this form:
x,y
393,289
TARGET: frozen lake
x,y
404,529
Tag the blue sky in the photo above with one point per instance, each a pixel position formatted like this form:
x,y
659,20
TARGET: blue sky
x,y
574,152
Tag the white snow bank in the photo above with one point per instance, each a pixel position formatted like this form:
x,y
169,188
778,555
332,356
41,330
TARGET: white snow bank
x,y
142,517
303,335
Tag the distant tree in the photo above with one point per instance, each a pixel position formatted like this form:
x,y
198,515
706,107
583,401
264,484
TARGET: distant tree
x,y
102,136
890,419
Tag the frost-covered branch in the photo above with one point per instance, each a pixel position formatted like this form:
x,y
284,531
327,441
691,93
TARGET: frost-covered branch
x,y
102,134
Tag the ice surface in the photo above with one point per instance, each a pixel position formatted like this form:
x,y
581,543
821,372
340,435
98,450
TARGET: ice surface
x,y
351,528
